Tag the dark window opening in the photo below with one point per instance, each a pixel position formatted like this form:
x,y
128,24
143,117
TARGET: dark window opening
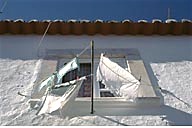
x,y
105,93
101,85
85,69
72,75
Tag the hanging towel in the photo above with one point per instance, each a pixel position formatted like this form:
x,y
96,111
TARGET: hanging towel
x,y
39,90
53,103
118,80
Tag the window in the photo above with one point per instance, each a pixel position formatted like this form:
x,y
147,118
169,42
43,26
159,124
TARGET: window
x,y
104,101
85,69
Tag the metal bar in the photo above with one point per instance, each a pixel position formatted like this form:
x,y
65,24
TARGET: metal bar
x,y
92,72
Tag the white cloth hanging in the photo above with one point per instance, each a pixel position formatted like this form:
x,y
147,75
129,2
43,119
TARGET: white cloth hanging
x,y
118,80
53,103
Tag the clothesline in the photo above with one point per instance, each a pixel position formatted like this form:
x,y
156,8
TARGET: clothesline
x,y
4,4
83,50
71,82
42,38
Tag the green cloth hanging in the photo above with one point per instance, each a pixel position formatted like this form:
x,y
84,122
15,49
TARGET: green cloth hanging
x,y
40,90
72,65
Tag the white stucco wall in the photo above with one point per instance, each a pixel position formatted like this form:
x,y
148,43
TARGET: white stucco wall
x,y
153,49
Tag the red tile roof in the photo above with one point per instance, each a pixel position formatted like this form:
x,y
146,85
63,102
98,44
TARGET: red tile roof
x,y
72,27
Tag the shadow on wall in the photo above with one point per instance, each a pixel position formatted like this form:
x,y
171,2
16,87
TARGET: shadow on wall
x,y
153,49
173,117
169,114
